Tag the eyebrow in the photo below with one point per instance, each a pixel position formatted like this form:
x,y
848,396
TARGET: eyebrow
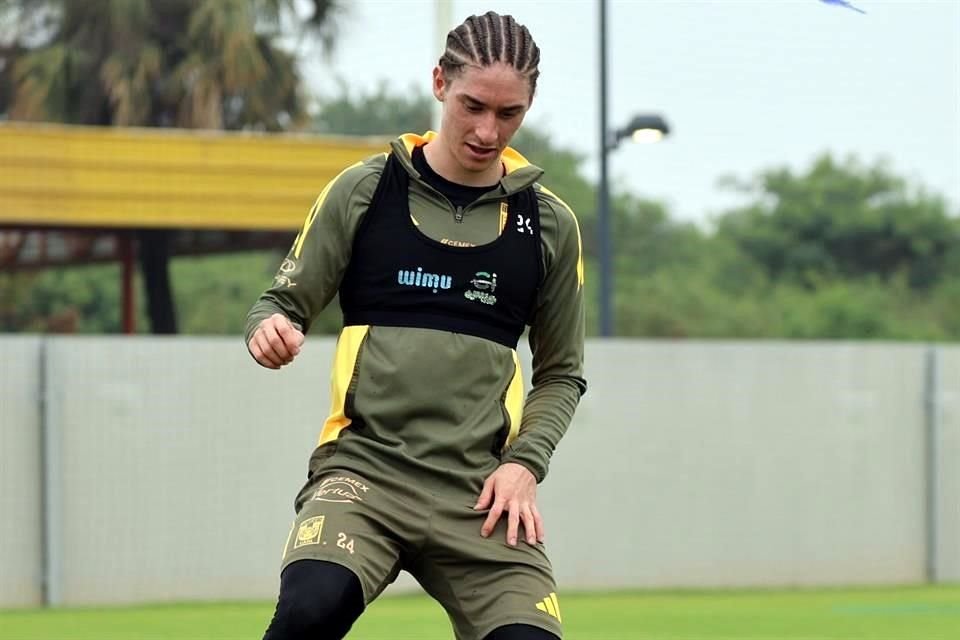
x,y
468,98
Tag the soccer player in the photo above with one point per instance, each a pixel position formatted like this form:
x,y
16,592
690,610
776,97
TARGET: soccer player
x,y
443,251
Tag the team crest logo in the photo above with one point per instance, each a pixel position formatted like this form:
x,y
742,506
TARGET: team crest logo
x,y
309,532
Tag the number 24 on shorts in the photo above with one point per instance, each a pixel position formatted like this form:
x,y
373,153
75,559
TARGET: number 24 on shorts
x,y
344,542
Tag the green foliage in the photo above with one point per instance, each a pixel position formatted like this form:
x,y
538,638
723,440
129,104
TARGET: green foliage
x,y
210,64
380,113
214,293
842,220
84,300
680,304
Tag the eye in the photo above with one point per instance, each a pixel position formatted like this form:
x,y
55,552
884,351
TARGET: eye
x,y
472,108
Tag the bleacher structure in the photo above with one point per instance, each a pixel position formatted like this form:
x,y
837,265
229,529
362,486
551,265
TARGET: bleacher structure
x,y
74,195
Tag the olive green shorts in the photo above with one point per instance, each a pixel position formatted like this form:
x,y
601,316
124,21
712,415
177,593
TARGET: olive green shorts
x,y
378,527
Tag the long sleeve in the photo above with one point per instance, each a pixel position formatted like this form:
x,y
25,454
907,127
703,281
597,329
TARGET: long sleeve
x,y
557,342
308,279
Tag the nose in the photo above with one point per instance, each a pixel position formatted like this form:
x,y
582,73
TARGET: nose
x,y
486,129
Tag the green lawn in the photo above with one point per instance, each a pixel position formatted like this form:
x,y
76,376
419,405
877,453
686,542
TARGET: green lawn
x,y
915,613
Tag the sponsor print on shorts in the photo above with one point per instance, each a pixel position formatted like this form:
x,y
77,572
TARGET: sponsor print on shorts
x,y
340,489
550,606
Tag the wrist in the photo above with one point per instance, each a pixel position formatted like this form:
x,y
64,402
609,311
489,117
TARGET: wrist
x,y
531,466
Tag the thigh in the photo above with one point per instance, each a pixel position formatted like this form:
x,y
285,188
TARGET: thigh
x,y
345,519
484,583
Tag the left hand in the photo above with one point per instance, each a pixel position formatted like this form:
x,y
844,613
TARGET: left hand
x,y
511,488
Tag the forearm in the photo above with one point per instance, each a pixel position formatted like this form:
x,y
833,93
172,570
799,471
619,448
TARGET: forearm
x,y
547,414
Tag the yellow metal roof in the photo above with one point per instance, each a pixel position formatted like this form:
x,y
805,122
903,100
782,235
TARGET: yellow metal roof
x,y
70,176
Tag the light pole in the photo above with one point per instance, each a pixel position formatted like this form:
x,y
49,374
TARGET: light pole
x,y
642,128
442,16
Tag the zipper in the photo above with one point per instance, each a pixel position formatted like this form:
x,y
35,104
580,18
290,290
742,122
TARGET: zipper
x,y
458,211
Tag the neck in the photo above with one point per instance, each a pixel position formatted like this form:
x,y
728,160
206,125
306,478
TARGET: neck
x,y
442,161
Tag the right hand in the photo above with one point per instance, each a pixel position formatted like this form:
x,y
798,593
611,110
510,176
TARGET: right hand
x,y
276,342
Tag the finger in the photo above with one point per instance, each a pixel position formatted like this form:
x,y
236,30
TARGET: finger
x,y
529,526
513,524
275,340
291,336
269,349
495,512
262,352
538,523
486,495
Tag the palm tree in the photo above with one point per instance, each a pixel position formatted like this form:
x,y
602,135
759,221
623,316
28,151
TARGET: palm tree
x,y
211,64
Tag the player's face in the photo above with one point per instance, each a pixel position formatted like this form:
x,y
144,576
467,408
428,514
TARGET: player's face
x,y
482,108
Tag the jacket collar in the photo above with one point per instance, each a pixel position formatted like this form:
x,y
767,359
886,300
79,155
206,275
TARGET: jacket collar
x,y
520,174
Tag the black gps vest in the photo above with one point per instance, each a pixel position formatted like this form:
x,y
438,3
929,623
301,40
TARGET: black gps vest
x,y
398,276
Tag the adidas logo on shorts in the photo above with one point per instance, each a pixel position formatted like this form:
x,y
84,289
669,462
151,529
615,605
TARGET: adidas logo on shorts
x,y
551,606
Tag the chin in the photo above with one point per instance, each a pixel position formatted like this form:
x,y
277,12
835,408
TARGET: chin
x,y
476,166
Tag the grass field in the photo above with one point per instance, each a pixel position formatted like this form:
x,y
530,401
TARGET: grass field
x,y
916,613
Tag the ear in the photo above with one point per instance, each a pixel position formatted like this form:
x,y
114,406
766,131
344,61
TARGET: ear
x,y
439,83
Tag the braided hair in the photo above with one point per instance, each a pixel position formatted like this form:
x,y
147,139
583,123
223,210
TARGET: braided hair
x,y
483,40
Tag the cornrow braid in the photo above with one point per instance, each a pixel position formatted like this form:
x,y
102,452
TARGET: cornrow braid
x,y
483,40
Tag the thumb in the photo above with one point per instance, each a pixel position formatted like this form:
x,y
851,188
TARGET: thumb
x,y
297,336
486,495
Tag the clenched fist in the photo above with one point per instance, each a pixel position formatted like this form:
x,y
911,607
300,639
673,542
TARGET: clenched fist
x,y
276,342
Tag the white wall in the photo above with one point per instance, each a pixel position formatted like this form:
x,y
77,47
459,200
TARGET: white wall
x,y
20,488
689,464
948,466
181,462
710,464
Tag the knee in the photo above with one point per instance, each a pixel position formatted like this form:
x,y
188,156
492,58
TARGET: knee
x,y
520,632
315,596
318,590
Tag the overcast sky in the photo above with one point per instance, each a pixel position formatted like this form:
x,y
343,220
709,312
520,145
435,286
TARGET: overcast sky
x,y
745,84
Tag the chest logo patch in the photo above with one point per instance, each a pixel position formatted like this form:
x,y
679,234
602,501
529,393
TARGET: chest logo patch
x,y
418,278
484,284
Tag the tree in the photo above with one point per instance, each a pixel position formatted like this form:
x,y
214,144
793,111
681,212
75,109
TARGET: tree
x,y
212,64
842,220
379,113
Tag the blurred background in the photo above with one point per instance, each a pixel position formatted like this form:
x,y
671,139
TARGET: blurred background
x,y
769,199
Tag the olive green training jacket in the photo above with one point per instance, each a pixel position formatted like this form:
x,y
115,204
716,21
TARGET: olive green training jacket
x,y
427,402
